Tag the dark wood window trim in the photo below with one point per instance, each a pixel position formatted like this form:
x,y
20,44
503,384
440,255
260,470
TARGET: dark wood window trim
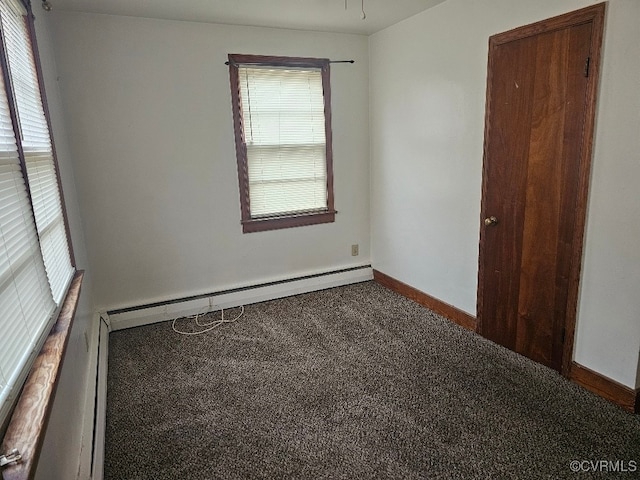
x,y
252,224
28,423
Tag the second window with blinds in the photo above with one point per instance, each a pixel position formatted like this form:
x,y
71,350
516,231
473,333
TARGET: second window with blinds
x,y
36,265
282,120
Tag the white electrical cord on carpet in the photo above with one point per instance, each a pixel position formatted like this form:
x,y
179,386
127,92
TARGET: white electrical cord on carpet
x,y
210,325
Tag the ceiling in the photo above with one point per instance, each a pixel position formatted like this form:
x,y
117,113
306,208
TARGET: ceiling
x,y
320,15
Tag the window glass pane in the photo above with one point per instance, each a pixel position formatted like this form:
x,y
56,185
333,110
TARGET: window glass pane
x,y
287,179
36,144
26,303
284,128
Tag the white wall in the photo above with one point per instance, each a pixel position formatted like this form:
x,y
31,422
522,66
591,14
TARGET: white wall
x,y
150,128
427,96
64,440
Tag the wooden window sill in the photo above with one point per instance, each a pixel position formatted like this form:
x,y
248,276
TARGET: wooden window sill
x,y
264,224
29,421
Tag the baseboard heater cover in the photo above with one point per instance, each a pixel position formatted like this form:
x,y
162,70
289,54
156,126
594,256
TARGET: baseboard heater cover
x,y
100,405
163,311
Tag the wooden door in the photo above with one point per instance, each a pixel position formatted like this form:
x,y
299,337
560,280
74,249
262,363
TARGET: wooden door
x,y
538,135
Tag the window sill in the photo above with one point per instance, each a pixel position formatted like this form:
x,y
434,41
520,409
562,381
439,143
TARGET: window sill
x,y
29,421
264,224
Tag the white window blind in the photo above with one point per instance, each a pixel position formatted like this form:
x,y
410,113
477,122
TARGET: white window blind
x,y
38,152
35,264
26,304
284,129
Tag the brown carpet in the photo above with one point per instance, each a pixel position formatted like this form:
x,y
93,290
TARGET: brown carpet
x,y
354,382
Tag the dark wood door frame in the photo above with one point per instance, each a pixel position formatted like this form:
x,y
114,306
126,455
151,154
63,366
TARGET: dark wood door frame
x,y
594,14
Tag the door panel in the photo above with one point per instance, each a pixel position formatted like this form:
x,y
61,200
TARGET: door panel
x,y
574,169
505,238
536,115
536,297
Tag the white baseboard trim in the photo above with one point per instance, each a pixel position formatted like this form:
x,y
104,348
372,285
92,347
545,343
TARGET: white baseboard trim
x,y
97,468
236,297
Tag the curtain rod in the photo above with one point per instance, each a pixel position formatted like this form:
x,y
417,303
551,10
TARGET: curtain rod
x,y
330,61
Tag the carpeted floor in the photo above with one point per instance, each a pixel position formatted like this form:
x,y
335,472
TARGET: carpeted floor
x,y
354,382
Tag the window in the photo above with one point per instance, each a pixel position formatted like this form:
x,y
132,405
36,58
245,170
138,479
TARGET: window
x,y
35,260
282,119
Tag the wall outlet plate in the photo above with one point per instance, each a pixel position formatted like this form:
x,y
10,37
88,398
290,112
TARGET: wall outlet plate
x,y
355,250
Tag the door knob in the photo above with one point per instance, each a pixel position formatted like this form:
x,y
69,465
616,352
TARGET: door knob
x,y
490,221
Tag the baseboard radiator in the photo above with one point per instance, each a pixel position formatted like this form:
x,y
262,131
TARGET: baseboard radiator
x,y
234,297
100,405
